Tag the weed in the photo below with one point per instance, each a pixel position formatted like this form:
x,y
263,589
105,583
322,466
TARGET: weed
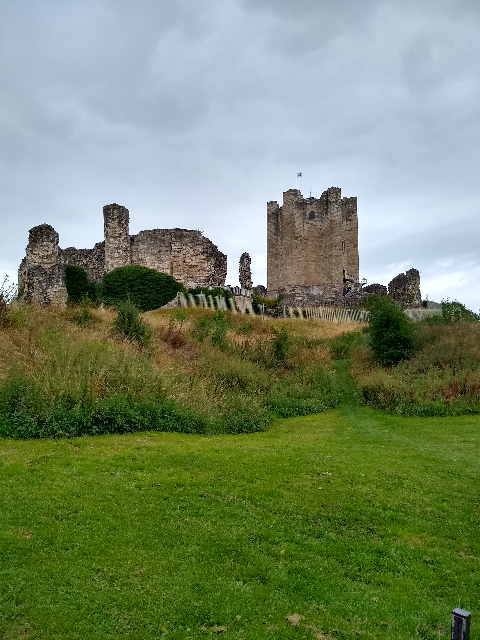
x,y
129,324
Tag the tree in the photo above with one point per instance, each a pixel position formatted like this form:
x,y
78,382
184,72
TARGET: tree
x,y
391,333
145,288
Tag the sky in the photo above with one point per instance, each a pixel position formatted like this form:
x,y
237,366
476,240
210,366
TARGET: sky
x,y
195,114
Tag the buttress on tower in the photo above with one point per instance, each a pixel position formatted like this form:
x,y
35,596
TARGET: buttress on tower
x,y
312,247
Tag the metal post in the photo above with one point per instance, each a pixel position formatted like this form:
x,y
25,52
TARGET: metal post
x,y
460,624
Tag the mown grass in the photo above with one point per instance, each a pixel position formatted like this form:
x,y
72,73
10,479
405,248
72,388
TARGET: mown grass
x,y
362,523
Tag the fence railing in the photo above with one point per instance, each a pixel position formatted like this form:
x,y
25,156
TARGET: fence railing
x,y
332,314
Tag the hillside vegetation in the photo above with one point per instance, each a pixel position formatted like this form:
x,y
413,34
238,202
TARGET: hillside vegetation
x,y
67,372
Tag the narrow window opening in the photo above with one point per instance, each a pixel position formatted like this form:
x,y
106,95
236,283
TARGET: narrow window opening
x,y
343,246
311,215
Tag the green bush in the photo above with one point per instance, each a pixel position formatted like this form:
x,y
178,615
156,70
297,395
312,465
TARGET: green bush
x,y
146,288
453,311
128,324
391,333
78,285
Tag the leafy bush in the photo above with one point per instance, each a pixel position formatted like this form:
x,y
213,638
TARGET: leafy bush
x,y
453,311
270,306
391,333
129,324
78,285
146,288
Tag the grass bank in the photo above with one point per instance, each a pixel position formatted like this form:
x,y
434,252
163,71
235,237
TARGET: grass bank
x,y
361,523
441,378
65,372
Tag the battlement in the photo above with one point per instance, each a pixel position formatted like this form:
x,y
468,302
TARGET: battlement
x,y
312,243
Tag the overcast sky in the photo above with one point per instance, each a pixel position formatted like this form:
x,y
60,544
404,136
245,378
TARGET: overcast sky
x,y
195,113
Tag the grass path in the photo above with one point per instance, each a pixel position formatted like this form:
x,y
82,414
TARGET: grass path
x,y
363,524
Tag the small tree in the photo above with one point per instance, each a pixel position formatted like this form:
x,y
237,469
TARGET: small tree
x,y
391,333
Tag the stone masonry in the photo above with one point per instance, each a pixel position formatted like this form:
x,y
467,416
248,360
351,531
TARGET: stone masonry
x,y
312,248
245,271
187,255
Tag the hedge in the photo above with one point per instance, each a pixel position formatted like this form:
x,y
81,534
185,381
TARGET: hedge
x,y
146,288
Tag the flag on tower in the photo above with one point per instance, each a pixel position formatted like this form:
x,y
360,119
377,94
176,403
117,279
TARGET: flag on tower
x,y
299,175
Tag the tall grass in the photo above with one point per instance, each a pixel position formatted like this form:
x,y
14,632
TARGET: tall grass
x,y
442,378
203,372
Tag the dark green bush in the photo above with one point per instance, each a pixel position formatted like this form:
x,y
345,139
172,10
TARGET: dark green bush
x,y
128,324
78,285
391,333
146,288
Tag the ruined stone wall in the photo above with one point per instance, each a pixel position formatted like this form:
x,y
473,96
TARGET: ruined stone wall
x,y
245,271
92,260
117,236
41,278
312,243
405,289
186,255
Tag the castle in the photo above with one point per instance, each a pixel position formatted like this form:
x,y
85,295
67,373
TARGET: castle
x,y
312,247
312,256
187,255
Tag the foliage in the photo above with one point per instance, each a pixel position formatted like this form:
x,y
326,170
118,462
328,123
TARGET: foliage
x,y
270,306
8,290
342,345
391,333
441,378
128,324
78,285
82,313
453,311
146,288
280,346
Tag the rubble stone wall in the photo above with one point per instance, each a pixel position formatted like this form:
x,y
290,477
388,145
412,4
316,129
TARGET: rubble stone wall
x,y
187,255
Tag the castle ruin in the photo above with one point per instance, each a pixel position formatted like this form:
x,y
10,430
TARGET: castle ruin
x,y
187,255
312,247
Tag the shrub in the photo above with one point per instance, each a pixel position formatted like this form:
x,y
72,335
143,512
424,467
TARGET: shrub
x,y
269,306
146,288
280,346
83,313
453,311
129,324
391,333
78,285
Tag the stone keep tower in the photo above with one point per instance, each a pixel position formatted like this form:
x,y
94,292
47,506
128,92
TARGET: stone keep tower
x,y
117,237
312,247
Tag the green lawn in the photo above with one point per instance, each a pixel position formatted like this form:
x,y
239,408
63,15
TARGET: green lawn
x,y
364,524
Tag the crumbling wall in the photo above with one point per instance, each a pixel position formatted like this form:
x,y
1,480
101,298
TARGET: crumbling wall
x,y
41,278
185,254
376,289
405,289
92,260
245,271
117,236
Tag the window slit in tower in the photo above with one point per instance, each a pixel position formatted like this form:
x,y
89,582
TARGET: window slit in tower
x,y
311,215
